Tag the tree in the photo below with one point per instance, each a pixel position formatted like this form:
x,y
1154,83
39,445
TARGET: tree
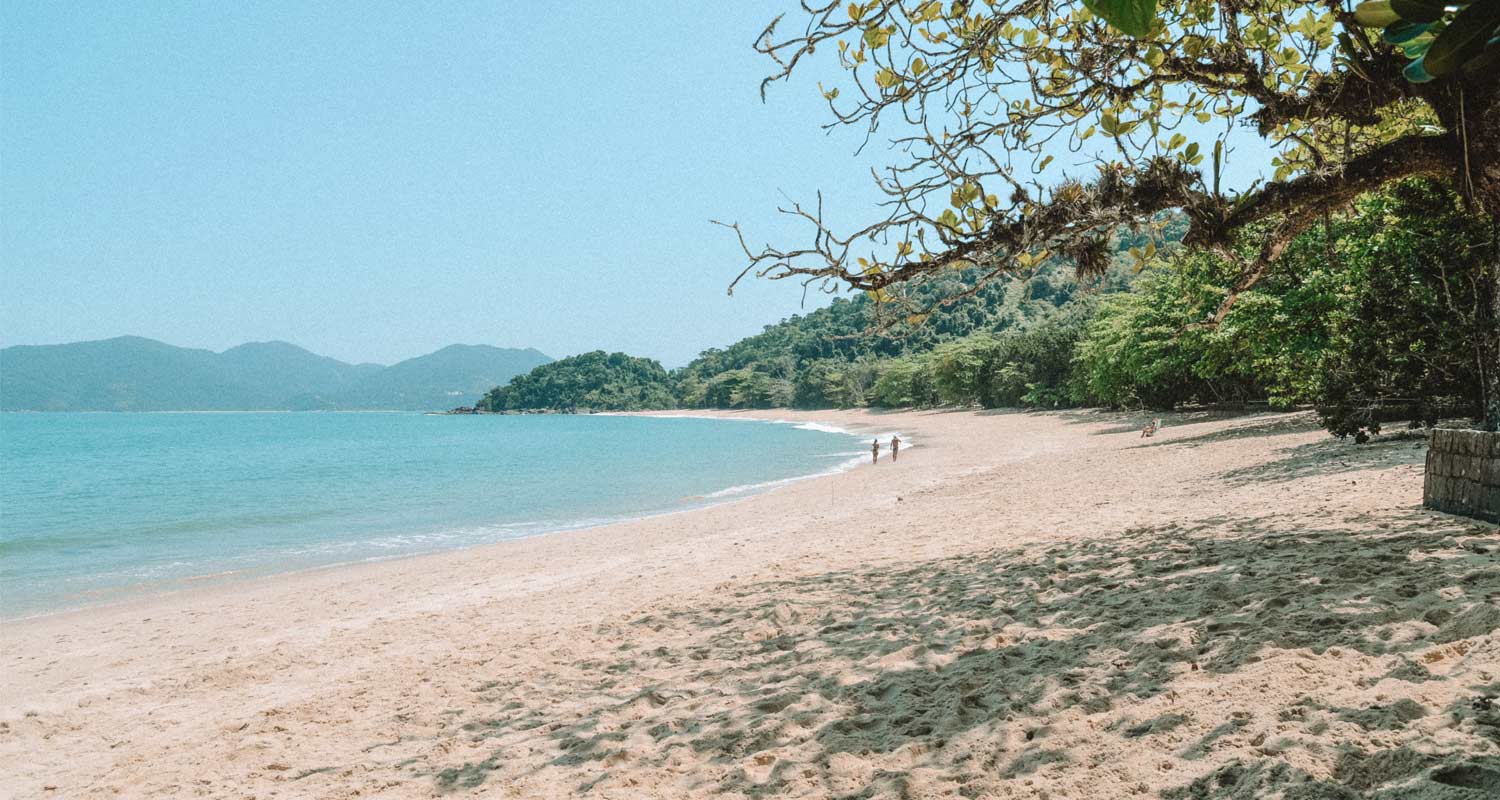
x,y
904,383
1372,318
1408,327
1032,366
1133,353
980,97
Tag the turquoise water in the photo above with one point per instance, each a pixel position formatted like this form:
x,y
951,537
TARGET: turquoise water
x,y
97,506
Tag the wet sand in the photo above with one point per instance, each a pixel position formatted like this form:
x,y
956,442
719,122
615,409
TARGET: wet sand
x,y
1025,605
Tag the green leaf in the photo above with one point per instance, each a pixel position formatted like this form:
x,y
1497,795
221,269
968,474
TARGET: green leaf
x,y
1418,46
1464,38
1416,72
1403,32
1418,10
1130,17
1218,162
1375,14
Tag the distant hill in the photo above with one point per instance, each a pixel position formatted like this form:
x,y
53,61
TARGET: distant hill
x,y
281,370
457,375
131,373
128,373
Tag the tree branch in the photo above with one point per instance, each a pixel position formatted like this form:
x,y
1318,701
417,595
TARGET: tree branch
x,y
1301,202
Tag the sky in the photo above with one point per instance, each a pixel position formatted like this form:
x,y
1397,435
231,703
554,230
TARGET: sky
x,y
376,181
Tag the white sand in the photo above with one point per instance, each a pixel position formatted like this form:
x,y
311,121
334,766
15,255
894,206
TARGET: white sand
x,y
1026,605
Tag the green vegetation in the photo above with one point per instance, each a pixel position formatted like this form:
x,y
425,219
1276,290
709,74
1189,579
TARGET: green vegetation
x,y
839,356
984,105
862,351
1373,316
596,381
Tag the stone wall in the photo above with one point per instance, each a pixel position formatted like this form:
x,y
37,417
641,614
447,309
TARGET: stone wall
x,y
1463,474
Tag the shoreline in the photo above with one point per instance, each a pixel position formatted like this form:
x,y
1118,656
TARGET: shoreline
x,y
207,587
816,637
145,594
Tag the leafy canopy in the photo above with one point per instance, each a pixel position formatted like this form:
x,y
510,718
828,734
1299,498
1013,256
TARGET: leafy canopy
x,y
981,97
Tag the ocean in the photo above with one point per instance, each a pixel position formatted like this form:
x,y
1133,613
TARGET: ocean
x,y
98,507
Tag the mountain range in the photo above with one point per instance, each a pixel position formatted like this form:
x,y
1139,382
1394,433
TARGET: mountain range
x,y
131,373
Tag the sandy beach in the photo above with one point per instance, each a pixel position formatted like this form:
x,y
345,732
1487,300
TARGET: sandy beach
x,y
1025,605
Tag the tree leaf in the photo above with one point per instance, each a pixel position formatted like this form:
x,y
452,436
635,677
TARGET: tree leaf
x,y
1404,32
1415,72
1375,14
1464,38
1130,17
1418,10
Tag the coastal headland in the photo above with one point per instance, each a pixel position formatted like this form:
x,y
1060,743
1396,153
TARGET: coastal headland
x,y
1025,605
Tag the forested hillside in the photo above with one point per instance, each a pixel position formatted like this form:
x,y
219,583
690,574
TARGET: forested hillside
x,y
836,356
596,381
1372,316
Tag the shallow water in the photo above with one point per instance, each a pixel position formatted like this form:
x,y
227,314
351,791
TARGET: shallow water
x,y
96,506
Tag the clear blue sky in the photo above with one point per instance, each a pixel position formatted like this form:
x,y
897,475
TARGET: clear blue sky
x,y
374,181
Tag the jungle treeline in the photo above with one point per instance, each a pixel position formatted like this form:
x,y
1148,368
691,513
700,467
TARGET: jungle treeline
x,y
1369,316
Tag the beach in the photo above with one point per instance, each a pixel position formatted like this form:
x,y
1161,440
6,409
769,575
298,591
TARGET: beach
x,y
1025,605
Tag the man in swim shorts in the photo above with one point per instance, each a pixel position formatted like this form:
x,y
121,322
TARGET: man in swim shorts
x,y
895,446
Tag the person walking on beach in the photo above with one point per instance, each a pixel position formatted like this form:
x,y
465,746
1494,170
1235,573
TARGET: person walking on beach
x,y
875,452
895,446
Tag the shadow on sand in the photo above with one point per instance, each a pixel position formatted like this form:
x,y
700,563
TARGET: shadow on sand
x,y
965,662
1329,456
